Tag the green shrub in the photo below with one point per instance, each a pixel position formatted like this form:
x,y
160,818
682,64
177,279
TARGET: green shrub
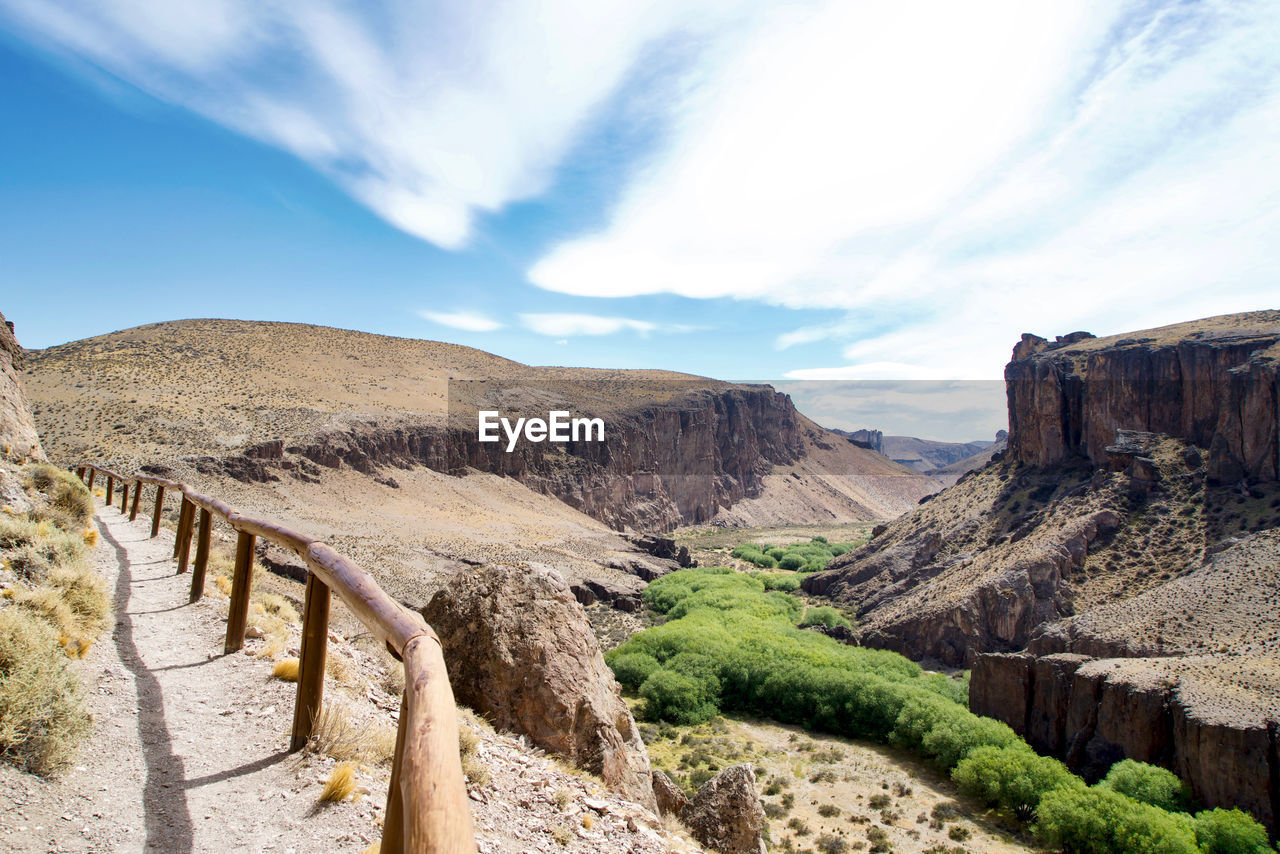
x,y
791,562
785,582
1149,784
777,554
1220,831
1098,820
675,697
953,738
632,669
42,716
1011,777
824,615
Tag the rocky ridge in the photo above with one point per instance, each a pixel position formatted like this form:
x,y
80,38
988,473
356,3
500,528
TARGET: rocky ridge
x,y
205,397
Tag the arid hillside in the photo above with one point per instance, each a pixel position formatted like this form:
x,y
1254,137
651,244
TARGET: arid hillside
x,y
371,441
1110,577
268,401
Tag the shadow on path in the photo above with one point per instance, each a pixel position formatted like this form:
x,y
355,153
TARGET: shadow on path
x,y
164,796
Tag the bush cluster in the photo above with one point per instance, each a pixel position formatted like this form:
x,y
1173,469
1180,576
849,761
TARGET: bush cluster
x,y
738,648
797,557
730,643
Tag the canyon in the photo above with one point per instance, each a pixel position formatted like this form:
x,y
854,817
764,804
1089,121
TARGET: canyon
x,y
1110,577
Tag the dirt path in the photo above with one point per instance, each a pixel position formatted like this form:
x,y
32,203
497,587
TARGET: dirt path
x,y
187,752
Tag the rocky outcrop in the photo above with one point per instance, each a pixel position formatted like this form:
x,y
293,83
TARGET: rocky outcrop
x,y
1093,712
18,436
521,653
1024,589
671,800
1211,383
726,813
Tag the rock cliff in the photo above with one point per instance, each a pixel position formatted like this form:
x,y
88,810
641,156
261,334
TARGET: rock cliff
x,y
18,438
1212,383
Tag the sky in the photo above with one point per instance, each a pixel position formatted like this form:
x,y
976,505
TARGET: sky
x,y
783,191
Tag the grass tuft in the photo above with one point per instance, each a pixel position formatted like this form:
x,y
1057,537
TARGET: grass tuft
x,y
286,670
337,734
341,784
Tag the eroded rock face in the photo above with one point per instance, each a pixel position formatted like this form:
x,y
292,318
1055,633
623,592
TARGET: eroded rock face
x,y
726,813
1093,712
521,652
1213,385
18,436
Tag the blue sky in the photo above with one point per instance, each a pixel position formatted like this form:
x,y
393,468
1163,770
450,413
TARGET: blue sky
x,y
800,190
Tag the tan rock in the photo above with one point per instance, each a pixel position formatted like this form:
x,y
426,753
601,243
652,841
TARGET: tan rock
x,y
671,800
18,436
726,813
521,653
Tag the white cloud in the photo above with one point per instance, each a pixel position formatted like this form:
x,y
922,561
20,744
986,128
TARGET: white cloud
x,y
471,321
425,112
561,325
974,170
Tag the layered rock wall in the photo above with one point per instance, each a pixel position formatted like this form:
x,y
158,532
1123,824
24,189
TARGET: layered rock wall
x,y
1215,388
1093,712
659,467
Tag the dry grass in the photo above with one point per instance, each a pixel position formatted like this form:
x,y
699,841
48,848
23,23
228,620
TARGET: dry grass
x,y
54,612
69,505
338,735
468,747
42,716
339,667
286,670
341,784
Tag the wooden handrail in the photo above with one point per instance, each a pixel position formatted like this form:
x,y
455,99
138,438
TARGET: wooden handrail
x,y
427,806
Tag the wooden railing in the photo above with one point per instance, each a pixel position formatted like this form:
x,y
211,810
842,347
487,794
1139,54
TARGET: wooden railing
x,y
427,805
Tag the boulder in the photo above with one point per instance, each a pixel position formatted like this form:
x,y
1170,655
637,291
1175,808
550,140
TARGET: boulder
x,y
726,813
521,653
671,799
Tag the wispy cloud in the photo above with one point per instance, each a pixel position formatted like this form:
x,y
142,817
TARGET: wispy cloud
x,y
471,321
426,112
975,170
562,325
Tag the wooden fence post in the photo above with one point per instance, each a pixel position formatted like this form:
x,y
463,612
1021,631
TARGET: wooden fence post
x,y
80,473
315,646
124,498
182,528
238,612
393,816
137,494
202,555
92,472
155,517
186,523
111,482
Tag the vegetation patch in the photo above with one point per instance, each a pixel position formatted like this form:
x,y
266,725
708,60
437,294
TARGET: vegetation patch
x,y
52,607
731,644
797,557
